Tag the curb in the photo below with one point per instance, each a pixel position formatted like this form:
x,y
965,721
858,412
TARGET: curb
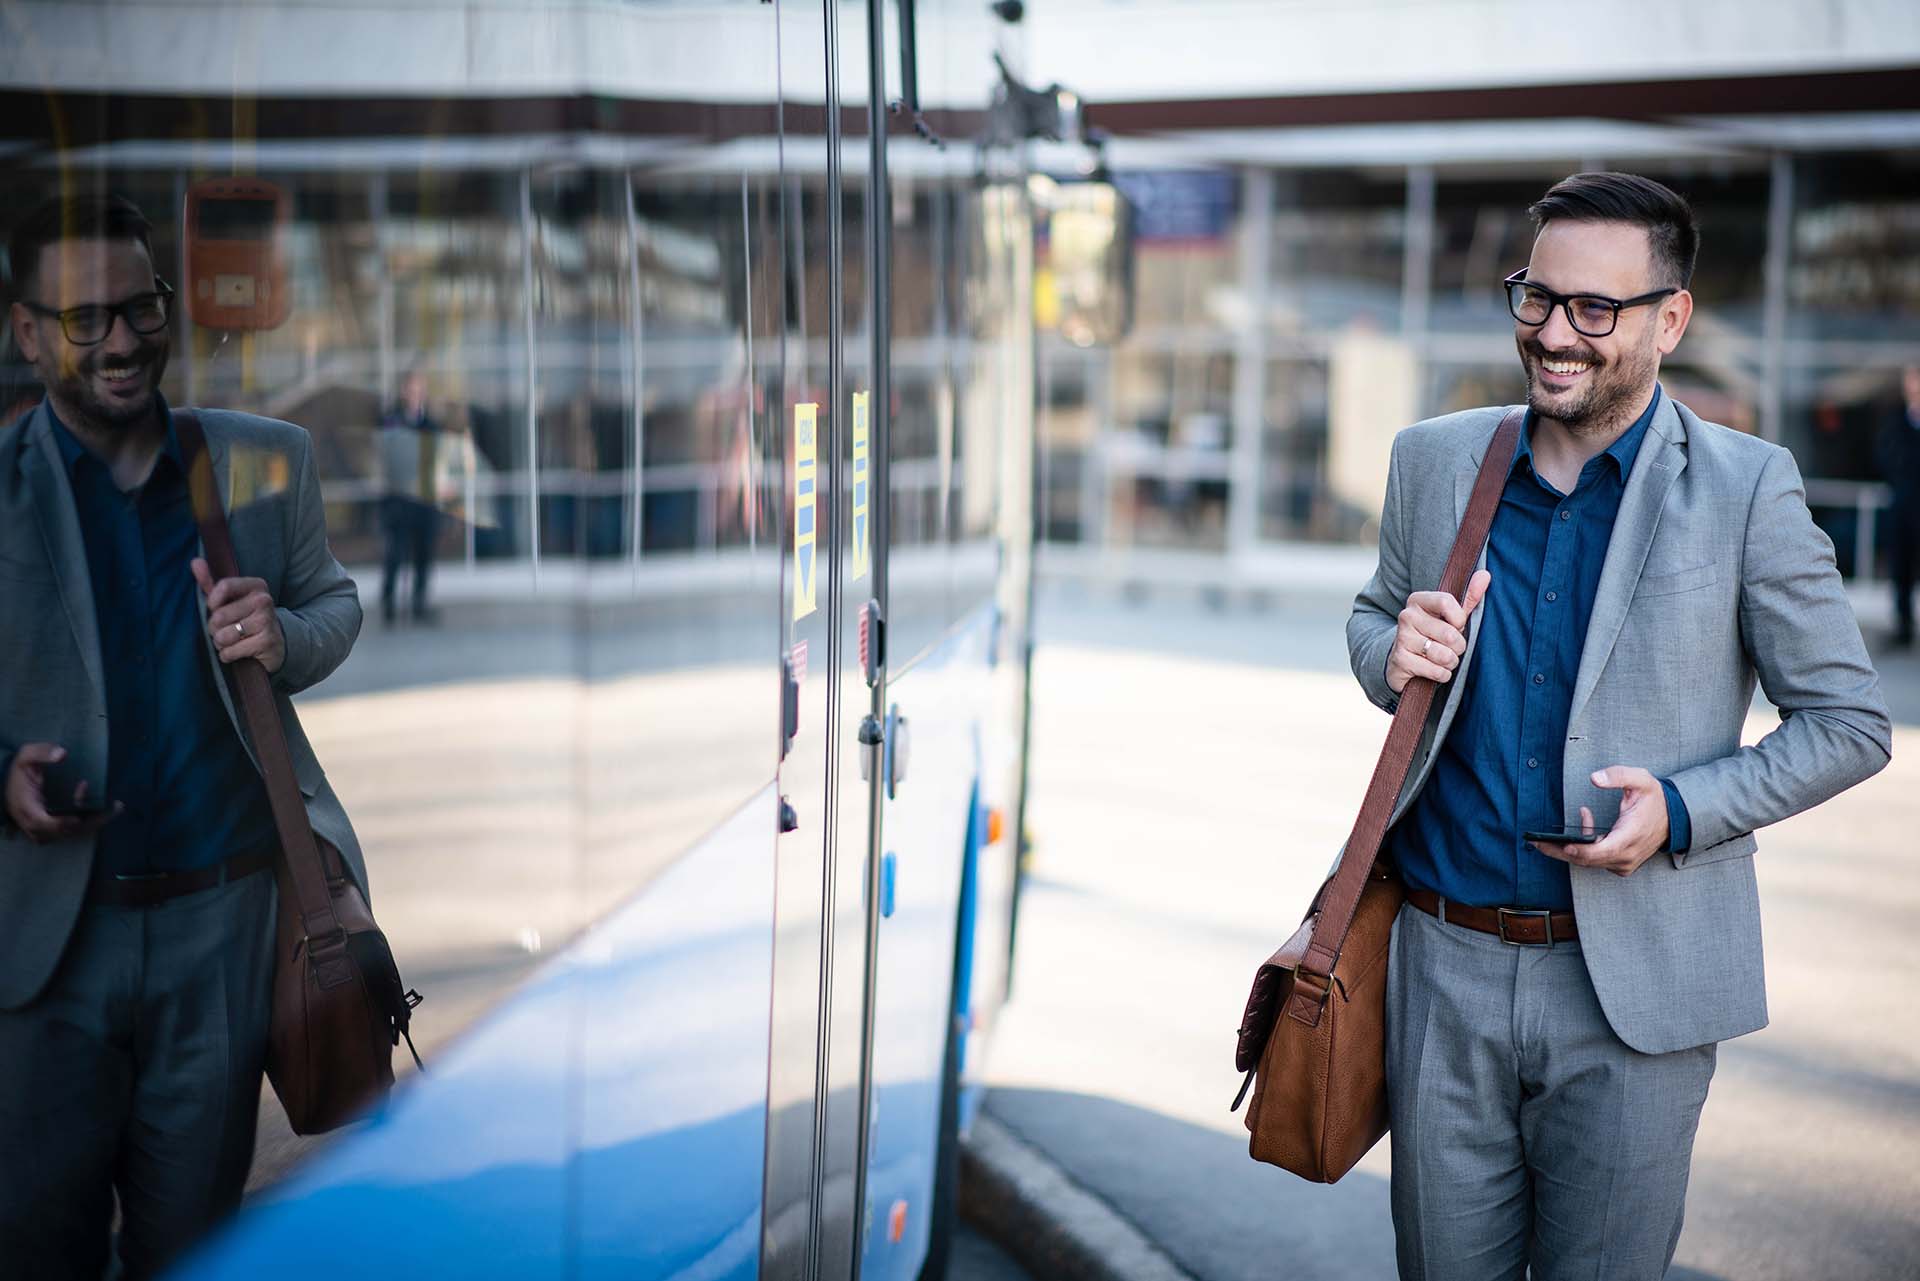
x,y
1056,1229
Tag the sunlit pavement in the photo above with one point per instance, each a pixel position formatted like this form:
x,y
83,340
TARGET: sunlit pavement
x,y
1195,769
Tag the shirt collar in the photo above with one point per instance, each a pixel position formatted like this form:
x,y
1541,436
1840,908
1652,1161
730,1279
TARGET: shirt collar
x,y
1623,451
72,451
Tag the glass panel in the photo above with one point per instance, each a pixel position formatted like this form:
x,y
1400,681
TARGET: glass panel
x,y
693,263
1070,443
1338,253
1481,235
455,272
1186,249
571,681
1296,499
1838,421
1855,269
1729,199
1167,455
993,404
1453,387
920,448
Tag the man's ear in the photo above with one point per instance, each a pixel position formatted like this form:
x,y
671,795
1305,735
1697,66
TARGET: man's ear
x,y
26,333
1675,312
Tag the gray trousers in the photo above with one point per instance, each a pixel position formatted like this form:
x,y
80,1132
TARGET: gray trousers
x,y
1525,1133
137,1074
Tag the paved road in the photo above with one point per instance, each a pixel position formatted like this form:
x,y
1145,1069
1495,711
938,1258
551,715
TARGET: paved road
x,y
1193,772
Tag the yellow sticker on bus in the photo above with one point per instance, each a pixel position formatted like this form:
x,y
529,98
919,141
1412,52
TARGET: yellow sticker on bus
x,y
862,544
805,576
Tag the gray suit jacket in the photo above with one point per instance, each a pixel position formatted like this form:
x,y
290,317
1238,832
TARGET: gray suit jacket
x,y
1715,575
52,687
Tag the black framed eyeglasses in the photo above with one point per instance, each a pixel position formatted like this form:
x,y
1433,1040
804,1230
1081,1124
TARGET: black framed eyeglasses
x,y
1594,315
90,323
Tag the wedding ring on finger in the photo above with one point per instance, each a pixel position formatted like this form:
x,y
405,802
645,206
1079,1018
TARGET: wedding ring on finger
x,y
1426,647
241,628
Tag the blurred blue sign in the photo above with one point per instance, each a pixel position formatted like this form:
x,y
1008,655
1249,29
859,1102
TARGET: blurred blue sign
x,y
1174,204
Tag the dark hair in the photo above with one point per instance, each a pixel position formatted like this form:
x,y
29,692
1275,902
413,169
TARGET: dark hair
x,y
92,215
1626,197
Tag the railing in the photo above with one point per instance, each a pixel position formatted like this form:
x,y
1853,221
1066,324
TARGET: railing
x,y
711,484
477,492
1864,499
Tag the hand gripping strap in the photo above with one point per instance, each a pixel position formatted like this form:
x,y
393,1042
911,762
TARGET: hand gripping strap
x,y
1341,897
299,855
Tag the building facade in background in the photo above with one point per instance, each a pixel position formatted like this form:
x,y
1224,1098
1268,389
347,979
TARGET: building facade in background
x,y
1330,196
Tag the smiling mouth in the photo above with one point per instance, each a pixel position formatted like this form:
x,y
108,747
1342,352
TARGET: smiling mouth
x,y
120,376
1563,368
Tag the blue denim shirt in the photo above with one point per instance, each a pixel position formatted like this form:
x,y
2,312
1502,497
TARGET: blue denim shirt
x,y
174,760
1499,771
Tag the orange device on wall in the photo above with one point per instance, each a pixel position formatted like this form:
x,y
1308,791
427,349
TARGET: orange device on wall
x,y
236,271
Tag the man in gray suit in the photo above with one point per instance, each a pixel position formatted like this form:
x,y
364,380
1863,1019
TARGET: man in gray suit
x,y
1553,1006
136,844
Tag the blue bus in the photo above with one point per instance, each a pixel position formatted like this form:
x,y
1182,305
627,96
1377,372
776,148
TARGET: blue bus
x,y
690,760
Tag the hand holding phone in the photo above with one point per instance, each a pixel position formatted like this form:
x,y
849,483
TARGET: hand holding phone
x,y
1564,835
48,799
66,791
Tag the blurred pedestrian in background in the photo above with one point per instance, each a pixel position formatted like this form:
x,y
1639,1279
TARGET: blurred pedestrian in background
x,y
136,844
1898,450
409,450
1643,570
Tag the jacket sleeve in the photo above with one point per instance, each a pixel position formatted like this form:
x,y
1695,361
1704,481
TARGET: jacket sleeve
x,y
1376,610
319,609
1803,640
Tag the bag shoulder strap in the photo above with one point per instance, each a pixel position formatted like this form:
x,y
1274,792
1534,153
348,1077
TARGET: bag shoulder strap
x,y
299,855
1340,898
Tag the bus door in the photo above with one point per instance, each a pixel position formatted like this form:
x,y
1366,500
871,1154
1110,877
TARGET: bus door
x,y
861,306
809,422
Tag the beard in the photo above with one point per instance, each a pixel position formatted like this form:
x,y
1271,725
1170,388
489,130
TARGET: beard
x,y
1610,395
82,391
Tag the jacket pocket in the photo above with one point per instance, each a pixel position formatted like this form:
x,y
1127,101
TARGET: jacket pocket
x,y
25,573
1684,580
1741,846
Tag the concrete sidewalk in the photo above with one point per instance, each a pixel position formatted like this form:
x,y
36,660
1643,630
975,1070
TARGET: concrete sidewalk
x,y
1194,769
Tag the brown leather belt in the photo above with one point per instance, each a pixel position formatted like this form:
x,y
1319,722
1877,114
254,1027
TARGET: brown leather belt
x,y
1527,926
105,890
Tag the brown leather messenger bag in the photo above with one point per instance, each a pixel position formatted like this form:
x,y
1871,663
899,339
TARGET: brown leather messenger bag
x,y
339,1008
1313,1041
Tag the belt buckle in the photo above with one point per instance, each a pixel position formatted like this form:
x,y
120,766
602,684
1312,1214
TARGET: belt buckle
x,y
1546,916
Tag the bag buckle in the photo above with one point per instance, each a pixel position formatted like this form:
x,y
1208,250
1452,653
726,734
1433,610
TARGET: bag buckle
x,y
1501,915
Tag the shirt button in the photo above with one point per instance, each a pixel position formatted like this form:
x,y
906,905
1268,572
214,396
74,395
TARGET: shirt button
x,y
1552,596
1533,762
1539,678
1565,514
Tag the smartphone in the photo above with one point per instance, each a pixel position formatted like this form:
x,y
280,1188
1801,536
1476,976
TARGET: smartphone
x,y
57,783
1565,835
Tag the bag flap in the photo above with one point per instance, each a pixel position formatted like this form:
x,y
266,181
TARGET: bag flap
x,y
1263,1002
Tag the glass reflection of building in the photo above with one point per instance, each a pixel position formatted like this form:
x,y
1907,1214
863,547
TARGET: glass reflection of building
x,y
1325,303
617,284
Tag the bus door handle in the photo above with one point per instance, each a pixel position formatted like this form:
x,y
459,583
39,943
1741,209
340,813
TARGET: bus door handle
x,y
899,749
872,738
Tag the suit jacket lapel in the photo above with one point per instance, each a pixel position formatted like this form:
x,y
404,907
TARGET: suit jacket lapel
x,y
1661,459
66,548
